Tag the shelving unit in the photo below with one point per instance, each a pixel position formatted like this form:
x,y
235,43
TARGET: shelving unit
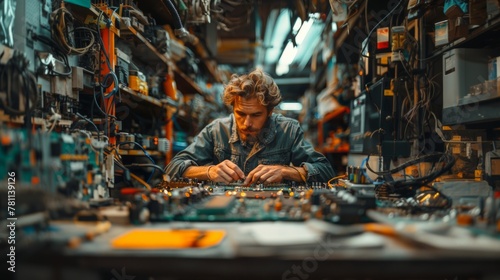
x,y
124,152
132,97
333,147
141,47
476,37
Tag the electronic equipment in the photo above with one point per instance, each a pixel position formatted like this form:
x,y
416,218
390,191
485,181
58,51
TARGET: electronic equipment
x,y
370,119
492,168
122,67
193,201
138,82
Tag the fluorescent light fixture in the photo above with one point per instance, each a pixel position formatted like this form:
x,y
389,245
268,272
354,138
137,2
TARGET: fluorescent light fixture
x,y
288,54
296,25
291,106
303,31
277,30
282,69
334,27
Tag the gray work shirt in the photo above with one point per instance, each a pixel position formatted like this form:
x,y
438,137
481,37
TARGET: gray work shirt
x,y
281,142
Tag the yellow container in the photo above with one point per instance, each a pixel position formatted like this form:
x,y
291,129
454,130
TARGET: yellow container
x,y
137,82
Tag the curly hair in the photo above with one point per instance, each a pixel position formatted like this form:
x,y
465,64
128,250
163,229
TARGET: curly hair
x,y
255,84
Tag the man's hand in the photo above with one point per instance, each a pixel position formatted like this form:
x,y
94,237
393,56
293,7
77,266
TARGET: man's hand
x,y
266,174
226,172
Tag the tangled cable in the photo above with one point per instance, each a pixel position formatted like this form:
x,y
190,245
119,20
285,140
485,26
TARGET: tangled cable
x,y
16,79
61,22
407,187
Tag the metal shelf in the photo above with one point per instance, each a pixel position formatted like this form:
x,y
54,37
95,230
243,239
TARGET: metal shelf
x,y
141,47
4,118
140,153
470,39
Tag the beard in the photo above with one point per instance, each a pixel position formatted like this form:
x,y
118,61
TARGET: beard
x,y
248,135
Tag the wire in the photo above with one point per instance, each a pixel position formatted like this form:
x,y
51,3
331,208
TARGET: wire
x,y
378,24
15,78
329,183
89,121
145,153
61,20
404,187
145,165
58,51
300,174
138,179
108,63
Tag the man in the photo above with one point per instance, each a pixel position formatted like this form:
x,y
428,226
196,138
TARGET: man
x,y
252,145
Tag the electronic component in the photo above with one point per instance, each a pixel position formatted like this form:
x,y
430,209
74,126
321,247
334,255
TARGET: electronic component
x,y
217,205
370,119
492,168
137,82
398,34
187,200
382,38
122,67
163,145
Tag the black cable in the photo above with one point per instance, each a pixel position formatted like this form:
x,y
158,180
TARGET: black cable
x,y
145,165
17,67
145,153
405,187
106,115
378,24
173,12
89,121
108,63
58,51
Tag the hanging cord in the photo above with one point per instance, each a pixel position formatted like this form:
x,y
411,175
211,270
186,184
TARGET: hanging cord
x,y
61,22
15,78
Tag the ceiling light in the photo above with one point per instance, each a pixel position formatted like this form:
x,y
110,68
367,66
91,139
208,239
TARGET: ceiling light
x,y
288,54
282,69
296,26
291,106
303,31
278,28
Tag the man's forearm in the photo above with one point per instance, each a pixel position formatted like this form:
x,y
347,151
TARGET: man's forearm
x,y
294,173
199,172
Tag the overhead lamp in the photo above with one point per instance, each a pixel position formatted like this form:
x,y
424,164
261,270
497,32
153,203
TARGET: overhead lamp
x,y
297,25
304,29
288,54
291,106
301,29
286,58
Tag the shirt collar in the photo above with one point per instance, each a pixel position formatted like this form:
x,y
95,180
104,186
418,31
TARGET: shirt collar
x,y
267,134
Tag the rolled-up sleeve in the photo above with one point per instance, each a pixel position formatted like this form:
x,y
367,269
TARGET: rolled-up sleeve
x,y
318,167
198,153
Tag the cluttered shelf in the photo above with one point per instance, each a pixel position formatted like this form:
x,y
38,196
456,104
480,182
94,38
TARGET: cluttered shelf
x,y
341,148
185,83
131,97
124,152
476,37
35,120
336,142
142,48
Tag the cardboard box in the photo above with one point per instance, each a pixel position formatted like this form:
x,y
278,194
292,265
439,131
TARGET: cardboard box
x,y
458,24
477,12
457,28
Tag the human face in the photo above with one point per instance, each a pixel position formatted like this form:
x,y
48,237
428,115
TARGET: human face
x,y
251,116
